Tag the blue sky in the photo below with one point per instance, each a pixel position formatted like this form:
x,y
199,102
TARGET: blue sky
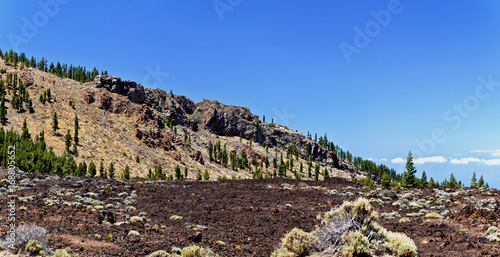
x,y
377,76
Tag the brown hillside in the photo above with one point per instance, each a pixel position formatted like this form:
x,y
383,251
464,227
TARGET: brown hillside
x,y
120,120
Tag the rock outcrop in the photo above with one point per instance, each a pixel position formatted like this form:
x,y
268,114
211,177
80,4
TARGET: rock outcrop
x,y
155,106
135,92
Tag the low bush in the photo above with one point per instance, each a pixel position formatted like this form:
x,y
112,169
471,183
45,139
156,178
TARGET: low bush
x,y
26,233
349,229
354,243
298,241
159,253
193,251
400,245
33,247
282,252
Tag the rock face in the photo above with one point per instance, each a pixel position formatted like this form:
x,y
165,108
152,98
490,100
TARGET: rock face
x,y
155,106
228,120
135,92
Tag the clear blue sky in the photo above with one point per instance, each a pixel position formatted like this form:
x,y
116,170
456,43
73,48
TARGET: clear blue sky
x,y
375,84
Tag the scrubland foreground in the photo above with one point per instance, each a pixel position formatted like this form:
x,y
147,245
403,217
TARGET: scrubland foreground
x,y
86,216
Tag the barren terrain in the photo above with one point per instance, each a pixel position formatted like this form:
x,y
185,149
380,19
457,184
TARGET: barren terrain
x,y
92,216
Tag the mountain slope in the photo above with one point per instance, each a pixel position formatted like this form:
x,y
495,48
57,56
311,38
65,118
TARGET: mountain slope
x,y
120,120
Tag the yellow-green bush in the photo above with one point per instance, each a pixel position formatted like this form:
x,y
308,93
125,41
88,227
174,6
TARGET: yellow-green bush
x,y
34,247
159,253
283,252
193,251
401,245
492,230
354,243
298,241
433,215
360,209
61,253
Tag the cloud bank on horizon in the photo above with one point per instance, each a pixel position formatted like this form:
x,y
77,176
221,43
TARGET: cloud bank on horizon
x,y
456,161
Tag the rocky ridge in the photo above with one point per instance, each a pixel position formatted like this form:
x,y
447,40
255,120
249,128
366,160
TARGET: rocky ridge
x,y
155,106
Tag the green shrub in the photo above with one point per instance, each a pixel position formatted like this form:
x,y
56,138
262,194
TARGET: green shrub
x,y
360,209
62,253
193,251
298,241
354,243
282,252
433,215
33,247
159,253
492,230
133,233
400,245
135,219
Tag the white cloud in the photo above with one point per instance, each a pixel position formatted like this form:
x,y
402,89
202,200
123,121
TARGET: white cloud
x,y
377,160
467,160
492,152
431,159
398,160
464,160
492,162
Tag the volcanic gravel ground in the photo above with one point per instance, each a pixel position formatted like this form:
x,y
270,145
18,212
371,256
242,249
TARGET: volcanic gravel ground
x,y
249,216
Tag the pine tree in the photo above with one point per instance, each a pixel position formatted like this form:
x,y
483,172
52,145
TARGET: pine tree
x,y
26,133
55,123
409,179
432,184
316,172
67,139
76,131
111,171
126,172
326,175
185,171
453,181
102,171
3,112
137,159
481,182
206,175
30,106
178,174
423,180
92,169
199,176
159,172
386,181
473,181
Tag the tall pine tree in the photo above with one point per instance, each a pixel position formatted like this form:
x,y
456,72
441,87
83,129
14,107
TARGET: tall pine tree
x,y
55,123
409,179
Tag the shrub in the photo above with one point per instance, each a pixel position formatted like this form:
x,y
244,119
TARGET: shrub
x,y
26,233
61,253
282,252
354,243
492,230
400,245
298,241
433,215
130,209
193,251
359,210
133,233
33,247
135,219
159,253
351,229
330,235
